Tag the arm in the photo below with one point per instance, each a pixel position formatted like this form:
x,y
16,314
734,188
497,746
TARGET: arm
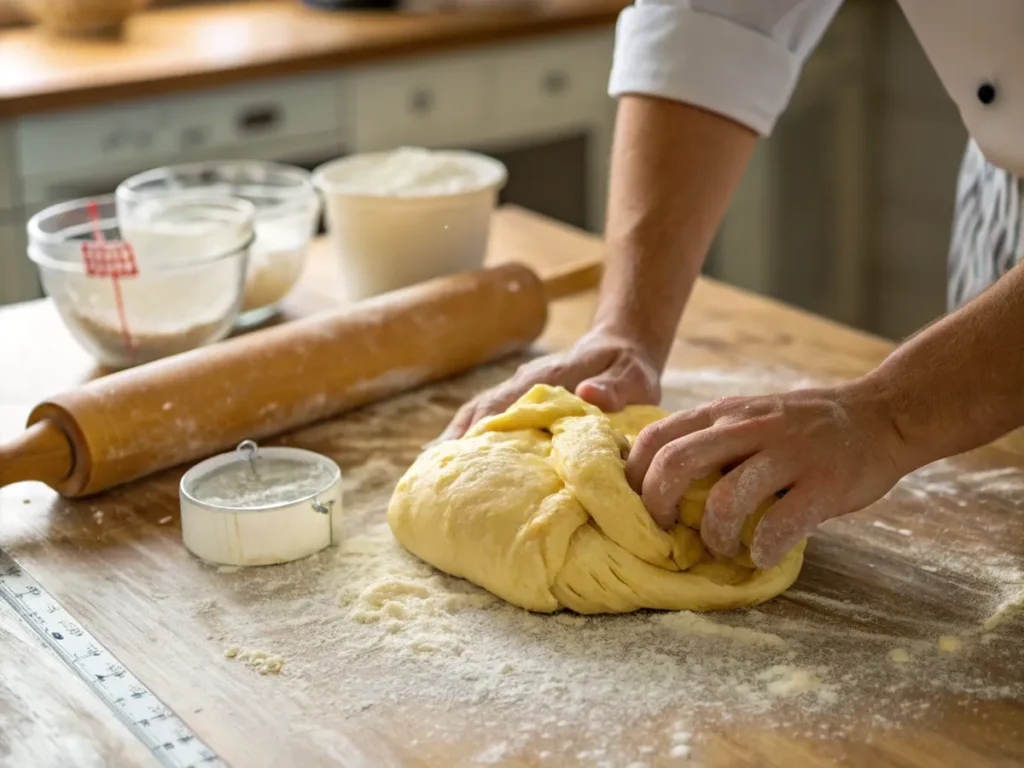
x,y
674,169
955,386
959,383
697,82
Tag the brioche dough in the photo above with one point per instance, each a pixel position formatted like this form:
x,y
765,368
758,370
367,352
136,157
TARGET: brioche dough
x,y
533,505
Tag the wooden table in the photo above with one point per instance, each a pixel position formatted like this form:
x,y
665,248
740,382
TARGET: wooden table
x,y
184,48
933,559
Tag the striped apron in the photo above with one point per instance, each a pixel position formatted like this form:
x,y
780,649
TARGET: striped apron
x,y
988,227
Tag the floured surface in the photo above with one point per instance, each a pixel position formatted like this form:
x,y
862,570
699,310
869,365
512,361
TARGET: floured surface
x,y
380,648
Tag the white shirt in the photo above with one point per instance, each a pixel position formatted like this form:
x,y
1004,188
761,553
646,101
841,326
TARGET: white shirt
x,y
742,58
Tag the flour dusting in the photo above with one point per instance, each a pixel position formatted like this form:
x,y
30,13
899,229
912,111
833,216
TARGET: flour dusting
x,y
374,636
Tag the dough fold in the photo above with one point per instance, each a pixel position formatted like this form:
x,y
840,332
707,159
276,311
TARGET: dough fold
x,y
534,506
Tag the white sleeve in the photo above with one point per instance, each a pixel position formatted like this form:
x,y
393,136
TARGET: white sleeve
x,y
738,58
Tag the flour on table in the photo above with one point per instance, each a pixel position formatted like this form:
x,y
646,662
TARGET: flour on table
x,y
1004,612
371,635
892,528
949,644
263,662
784,680
680,751
694,624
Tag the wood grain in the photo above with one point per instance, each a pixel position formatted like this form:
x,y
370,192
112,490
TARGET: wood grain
x,y
48,717
117,563
182,49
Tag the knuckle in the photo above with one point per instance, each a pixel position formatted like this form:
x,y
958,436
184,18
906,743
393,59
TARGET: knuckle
x,y
682,456
722,504
724,405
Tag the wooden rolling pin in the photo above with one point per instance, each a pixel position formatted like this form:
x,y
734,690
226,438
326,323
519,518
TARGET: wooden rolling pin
x,y
129,424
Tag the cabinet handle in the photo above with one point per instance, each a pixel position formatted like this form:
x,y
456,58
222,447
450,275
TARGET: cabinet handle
x,y
555,82
422,101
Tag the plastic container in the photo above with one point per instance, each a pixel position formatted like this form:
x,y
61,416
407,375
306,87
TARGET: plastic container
x,y
401,217
191,262
261,506
287,214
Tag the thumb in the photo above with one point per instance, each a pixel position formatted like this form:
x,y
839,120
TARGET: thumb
x,y
603,391
628,381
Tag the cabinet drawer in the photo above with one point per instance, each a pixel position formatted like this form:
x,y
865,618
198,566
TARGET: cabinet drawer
x,y
562,78
413,102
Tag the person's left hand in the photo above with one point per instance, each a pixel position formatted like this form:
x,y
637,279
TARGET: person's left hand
x,y
832,451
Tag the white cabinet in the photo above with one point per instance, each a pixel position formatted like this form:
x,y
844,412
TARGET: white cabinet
x,y
421,101
495,98
561,81
505,98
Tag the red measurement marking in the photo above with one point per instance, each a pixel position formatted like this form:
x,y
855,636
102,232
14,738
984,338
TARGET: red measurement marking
x,y
112,259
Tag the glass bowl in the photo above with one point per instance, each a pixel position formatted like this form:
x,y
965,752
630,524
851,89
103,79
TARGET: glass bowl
x,y
177,288
287,213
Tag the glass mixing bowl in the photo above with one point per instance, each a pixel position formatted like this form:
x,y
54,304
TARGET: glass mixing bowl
x,y
177,286
287,213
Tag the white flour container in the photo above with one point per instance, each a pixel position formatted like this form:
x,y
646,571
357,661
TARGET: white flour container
x,y
401,217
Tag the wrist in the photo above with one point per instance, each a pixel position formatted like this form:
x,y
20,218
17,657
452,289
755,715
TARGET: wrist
x,y
881,391
630,336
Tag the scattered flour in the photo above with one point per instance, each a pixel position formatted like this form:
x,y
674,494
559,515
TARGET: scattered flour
x,y
1006,610
784,680
374,636
680,751
900,655
694,624
263,662
892,528
949,644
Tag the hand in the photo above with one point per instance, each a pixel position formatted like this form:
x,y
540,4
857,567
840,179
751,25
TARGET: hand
x,y
832,451
608,371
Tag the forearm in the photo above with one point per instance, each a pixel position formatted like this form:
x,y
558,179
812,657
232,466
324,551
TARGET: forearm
x,y
959,383
674,169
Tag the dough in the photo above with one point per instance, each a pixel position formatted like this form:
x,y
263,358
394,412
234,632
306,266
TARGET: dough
x,y
533,505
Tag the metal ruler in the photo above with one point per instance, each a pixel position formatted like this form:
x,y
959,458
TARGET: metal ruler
x,y
167,737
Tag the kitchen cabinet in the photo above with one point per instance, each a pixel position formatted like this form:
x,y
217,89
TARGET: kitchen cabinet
x,y
540,103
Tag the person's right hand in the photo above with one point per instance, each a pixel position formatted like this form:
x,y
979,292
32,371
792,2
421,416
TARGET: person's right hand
x,y
608,371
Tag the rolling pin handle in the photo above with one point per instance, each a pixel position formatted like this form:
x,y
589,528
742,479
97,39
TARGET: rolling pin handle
x,y
43,453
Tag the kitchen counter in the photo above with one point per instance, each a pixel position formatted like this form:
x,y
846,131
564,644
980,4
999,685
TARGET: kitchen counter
x,y
184,48
806,679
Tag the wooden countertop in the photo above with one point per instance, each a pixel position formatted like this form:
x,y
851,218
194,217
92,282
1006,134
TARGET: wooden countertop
x,y
934,558
183,48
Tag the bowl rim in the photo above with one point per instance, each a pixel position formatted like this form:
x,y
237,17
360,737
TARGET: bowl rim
x,y
288,197
42,259
497,179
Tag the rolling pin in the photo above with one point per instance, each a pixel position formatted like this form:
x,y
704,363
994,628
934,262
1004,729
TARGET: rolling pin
x,y
129,424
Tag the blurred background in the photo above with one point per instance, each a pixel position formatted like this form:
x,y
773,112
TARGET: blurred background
x,y
845,210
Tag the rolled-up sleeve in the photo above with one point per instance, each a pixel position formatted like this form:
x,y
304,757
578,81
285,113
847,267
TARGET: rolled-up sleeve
x,y
738,58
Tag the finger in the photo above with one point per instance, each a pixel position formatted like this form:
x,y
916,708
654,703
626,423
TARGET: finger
x,y
682,461
629,380
734,498
656,436
461,422
785,524
485,404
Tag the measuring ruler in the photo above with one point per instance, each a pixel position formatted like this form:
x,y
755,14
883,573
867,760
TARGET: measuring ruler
x,y
167,737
